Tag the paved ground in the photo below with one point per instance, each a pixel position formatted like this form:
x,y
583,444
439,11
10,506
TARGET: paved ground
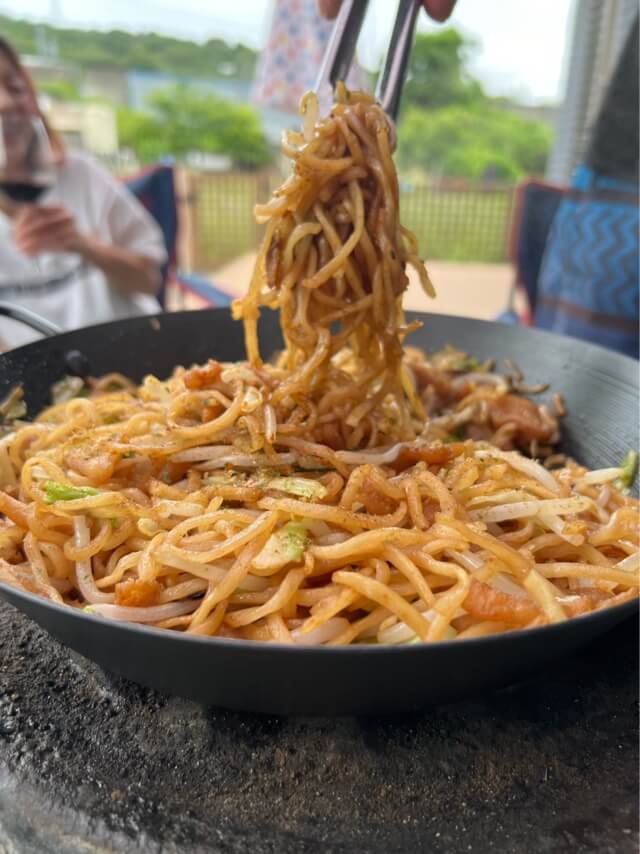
x,y
467,290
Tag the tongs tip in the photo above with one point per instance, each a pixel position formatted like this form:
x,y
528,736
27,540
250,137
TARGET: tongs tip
x,y
342,44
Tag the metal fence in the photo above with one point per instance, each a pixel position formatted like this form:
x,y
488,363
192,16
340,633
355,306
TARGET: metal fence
x,y
216,215
459,220
453,220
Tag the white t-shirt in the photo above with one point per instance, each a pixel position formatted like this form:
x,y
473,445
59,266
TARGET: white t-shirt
x,y
59,286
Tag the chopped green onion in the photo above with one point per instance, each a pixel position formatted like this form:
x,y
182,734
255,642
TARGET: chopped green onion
x,y
629,467
452,359
62,492
467,363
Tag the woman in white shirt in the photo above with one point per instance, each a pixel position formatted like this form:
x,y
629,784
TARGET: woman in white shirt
x,y
99,252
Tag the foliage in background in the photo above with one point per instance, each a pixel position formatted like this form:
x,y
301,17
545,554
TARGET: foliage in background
x,y
450,127
437,72
119,49
473,142
181,121
60,90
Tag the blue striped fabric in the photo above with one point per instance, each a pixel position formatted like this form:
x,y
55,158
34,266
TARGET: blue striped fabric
x,y
588,284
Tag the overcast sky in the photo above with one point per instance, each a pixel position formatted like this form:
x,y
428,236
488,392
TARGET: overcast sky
x,y
521,44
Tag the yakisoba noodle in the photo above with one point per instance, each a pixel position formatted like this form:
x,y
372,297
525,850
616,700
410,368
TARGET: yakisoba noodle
x,y
341,495
333,262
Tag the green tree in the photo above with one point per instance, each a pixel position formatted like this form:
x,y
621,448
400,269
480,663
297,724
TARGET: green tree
x,y
142,133
450,126
437,73
181,121
148,51
60,90
473,142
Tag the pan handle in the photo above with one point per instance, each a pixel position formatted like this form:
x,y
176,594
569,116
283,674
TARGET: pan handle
x,y
30,318
75,361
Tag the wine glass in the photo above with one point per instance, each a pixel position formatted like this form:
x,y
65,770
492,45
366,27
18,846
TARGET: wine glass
x,y
27,162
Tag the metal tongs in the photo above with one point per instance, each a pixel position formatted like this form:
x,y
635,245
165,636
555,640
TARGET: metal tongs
x,y
342,44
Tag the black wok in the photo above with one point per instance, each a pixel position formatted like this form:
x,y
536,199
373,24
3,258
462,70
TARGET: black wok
x,y
601,393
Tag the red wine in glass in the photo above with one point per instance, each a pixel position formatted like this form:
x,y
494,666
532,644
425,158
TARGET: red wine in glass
x,y
22,192
27,163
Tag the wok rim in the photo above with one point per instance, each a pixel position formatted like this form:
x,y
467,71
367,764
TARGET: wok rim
x,y
159,317
320,649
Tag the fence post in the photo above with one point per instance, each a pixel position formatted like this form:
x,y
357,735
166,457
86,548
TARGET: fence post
x,y
263,191
508,229
187,219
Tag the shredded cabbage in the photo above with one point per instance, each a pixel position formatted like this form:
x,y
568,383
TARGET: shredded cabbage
x,y
66,389
311,490
523,464
284,546
522,509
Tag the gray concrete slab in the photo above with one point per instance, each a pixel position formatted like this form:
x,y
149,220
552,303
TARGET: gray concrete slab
x,y
90,763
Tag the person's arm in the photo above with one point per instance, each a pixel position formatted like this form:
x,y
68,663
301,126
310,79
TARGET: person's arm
x,y
52,228
127,270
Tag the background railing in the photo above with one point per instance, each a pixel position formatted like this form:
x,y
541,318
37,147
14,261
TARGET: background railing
x,y
216,215
454,220
459,220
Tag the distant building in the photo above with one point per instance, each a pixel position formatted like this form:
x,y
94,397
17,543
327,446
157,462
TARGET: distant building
x,y
131,88
89,126
141,84
45,69
108,84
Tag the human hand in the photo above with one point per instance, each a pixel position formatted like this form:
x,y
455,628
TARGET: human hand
x,y
46,228
439,10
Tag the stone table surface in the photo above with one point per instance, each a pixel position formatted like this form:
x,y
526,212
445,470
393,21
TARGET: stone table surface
x,y
91,763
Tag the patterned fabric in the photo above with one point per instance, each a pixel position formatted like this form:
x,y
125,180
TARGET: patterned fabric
x,y
589,280
292,57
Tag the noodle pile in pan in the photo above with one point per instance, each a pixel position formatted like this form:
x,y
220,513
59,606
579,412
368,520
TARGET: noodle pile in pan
x,y
349,492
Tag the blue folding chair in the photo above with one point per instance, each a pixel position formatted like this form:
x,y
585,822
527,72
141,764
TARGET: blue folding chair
x,y
154,188
536,204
